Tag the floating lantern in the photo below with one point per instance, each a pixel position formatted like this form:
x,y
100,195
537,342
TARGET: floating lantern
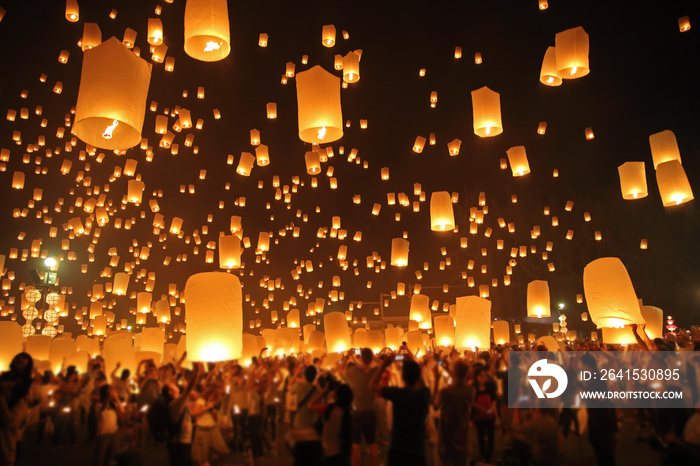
x,y
313,162
444,330
633,180
155,31
664,147
399,252
673,183
72,13
654,318
453,147
328,35
472,323
517,157
112,97
441,211
337,334
538,299
610,295
143,302
419,144
245,164
271,109
486,105
351,67
549,73
229,252
213,315
207,35
501,332
318,100
684,23
572,53
92,36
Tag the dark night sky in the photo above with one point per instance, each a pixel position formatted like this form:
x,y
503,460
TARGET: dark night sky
x,y
643,79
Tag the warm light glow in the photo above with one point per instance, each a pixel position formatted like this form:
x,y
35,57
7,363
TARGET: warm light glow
x,y
322,133
108,131
573,70
212,45
488,130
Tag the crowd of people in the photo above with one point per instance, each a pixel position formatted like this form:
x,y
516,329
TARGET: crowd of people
x,y
393,408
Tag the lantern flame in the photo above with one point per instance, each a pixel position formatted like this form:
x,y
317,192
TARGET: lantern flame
x,y
212,45
573,70
488,130
108,131
322,133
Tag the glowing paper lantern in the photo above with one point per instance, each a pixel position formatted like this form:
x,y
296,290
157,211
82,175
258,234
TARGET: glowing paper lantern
x,y
207,35
538,299
444,330
229,252
414,341
472,323
72,12
351,67
420,308
654,317
313,162
118,347
548,73
328,35
337,335
61,348
399,252
143,302
684,23
152,340
619,336
572,53
360,339
213,315
39,347
318,100
673,183
121,283
245,164
609,293
486,106
392,336
501,332
633,180
112,97
441,211
155,31
517,157
664,147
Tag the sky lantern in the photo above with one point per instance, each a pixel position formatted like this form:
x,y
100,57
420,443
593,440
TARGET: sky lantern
x,y
155,31
293,320
112,97
10,343
328,35
213,316
72,11
143,302
38,346
572,53
92,36
18,180
486,106
684,23
207,35
517,157
633,180
673,183
351,67
441,211
472,323
336,330
538,299
453,147
548,73
153,339
162,311
610,296
245,164
229,252
501,332
262,155
61,348
399,252
318,100
654,317
444,330
420,308
664,147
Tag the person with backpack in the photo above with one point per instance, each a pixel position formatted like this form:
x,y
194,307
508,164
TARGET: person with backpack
x,y
174,423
